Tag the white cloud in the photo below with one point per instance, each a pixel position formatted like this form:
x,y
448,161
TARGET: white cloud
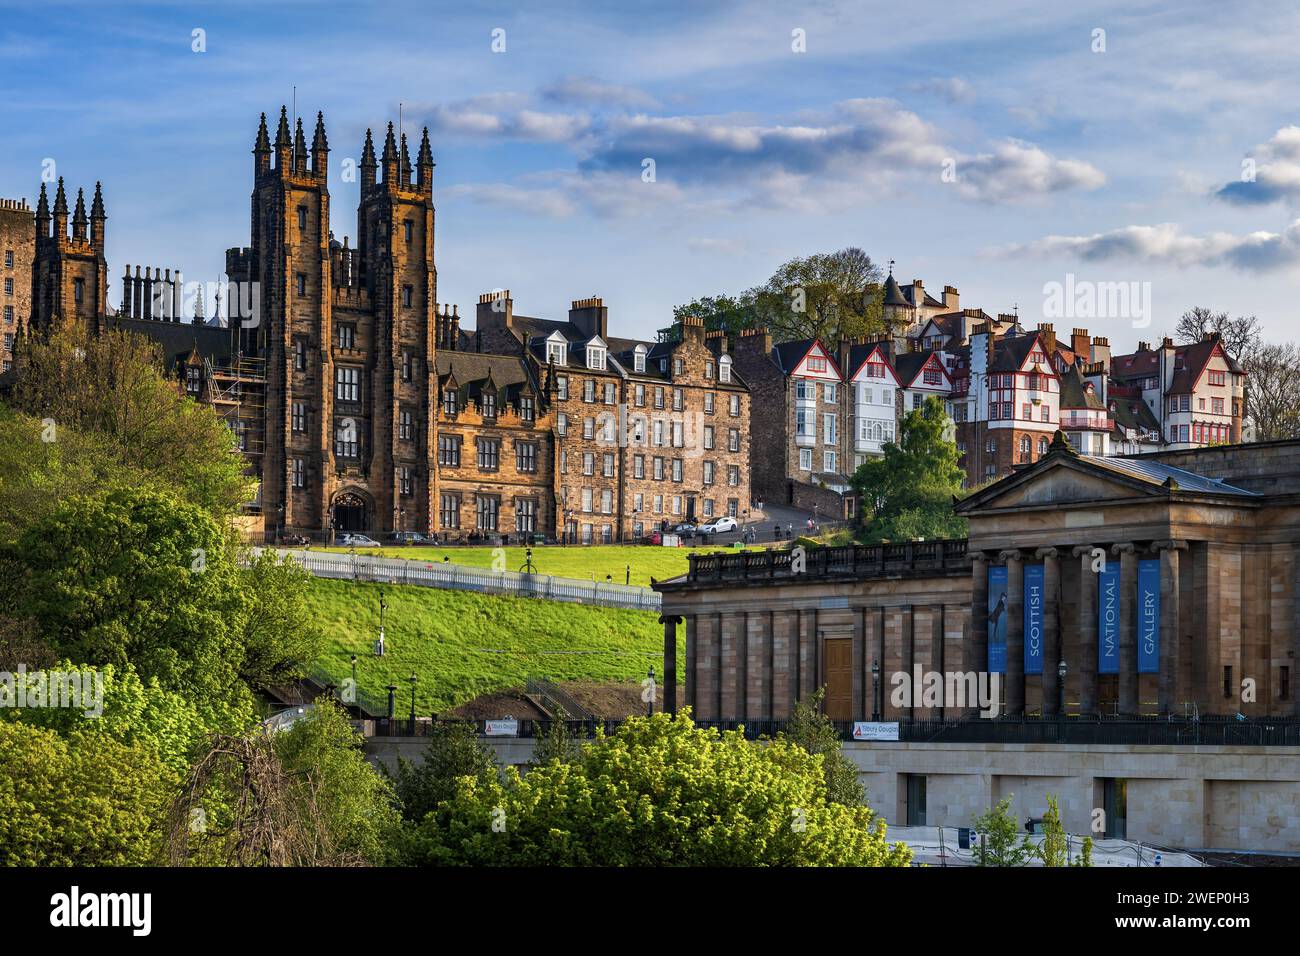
x,y
1016,170
1270,173
951,88
1168,244
589,90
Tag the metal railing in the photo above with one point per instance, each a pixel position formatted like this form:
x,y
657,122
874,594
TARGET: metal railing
x,y
1146,731
855,560
460,577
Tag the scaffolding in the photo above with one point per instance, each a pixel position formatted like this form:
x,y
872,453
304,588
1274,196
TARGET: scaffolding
x,y
237,389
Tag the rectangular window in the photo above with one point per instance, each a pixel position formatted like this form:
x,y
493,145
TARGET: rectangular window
x,y
678,400
527,408
677,469
828,393
805,459
299,417
562,424
449,450
406,425
408,230
588,463
345,441
488,404
449,511
659,469
405,482
300,354
659,396
525,457
562,387
526,515
733,440
638,466
589,390
299,473
589,428
301,280
450,403
9,258
640,396
489,454
302,217
586,500
830,461
734,404
610,394
708,472
709,399
9,287
608,470
78,289
408,295
406,365
708,437
347,384
347,336
606,501
489,512
830,429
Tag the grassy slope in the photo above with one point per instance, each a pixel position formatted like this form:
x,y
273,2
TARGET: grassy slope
x,y
574,562
462,644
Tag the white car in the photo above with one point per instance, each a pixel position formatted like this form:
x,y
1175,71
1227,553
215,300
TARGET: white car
x,y
358,541
719,525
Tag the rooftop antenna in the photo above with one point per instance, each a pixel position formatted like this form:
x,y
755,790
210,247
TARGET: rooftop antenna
x,y
891,267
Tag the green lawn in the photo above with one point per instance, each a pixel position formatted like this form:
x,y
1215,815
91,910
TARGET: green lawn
x,y
588,563
461,644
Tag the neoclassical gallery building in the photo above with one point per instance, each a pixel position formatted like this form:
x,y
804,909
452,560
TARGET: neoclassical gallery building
x,y
1137,617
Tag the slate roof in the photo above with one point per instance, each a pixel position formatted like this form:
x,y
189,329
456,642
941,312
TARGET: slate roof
x,y
908,365
1074,393
1155,473
893,294
178,339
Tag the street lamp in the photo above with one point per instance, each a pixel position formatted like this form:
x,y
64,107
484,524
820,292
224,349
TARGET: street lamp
x,y
651,705
392,703
354,678
412,679
1060,687
379,644
875,688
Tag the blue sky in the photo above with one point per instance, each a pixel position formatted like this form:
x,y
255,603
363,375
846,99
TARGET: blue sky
x,y
1115,165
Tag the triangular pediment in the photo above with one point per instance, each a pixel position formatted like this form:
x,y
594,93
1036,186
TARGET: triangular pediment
x,y
1061,480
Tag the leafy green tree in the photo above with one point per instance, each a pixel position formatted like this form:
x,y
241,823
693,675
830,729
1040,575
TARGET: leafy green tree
x,y
81,800
908,492
135,712
659,791
1002,843
829,296
111,385
812,730
557,743
138,577
1054,850
453,752
300,796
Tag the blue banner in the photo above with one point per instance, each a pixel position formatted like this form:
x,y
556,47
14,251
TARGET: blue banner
x,y
1033,634
997,620
1108,620
1148,616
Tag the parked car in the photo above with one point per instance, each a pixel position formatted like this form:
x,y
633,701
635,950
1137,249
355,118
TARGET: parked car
x,y
410,537
358,541
685,529
719,525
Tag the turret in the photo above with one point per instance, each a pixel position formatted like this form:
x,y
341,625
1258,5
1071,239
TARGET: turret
x,y
424,165
404,170
320,150
299,150
97,219
60,212
283,144
390,159
262,149
43,215
368,164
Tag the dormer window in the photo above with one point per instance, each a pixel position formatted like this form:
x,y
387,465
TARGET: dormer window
x,y
489,404
449,406
638,359
596,357
724,369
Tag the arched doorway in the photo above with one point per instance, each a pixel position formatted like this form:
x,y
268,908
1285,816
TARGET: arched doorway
x,y
350,513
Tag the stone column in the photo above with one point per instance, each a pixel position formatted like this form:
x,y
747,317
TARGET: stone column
x,y
1087,663
1015,673
1128,650
976,654
1050,683
908,654
692,680
1170,640
860,677
670,662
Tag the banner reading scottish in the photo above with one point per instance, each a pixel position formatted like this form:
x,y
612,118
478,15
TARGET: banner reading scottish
x,y
1033,619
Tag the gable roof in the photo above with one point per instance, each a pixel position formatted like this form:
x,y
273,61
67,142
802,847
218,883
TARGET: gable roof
x,y
860,354
909,365
1075,392
1011,352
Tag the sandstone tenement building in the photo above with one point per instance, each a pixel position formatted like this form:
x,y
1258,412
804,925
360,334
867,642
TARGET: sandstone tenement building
x,y
359,401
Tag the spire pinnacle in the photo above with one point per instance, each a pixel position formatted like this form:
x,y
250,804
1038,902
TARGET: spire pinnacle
x,y
60,200
368,151
263,143
390,147
319,144
282,132
425,157
97,206
43,206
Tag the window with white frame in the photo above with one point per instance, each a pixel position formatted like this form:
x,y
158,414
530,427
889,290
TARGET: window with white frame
x,y
805,459
596,357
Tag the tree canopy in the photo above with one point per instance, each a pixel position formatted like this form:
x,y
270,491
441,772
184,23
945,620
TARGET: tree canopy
x,y
908,492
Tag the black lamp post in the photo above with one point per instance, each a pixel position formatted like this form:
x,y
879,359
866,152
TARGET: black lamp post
x,y
392,703
355,695
412,679
650,712
875,689
1060,688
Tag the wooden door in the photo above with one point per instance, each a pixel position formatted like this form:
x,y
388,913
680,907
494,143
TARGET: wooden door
x,y
838,653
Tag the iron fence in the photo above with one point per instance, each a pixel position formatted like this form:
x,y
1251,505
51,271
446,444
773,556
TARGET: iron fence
x,y
459,577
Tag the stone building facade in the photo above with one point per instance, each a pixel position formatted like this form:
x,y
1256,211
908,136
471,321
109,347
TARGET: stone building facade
x,y
1103,592
18,246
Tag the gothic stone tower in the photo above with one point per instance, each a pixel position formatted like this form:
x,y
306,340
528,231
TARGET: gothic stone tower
x,y
347,336
70,278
